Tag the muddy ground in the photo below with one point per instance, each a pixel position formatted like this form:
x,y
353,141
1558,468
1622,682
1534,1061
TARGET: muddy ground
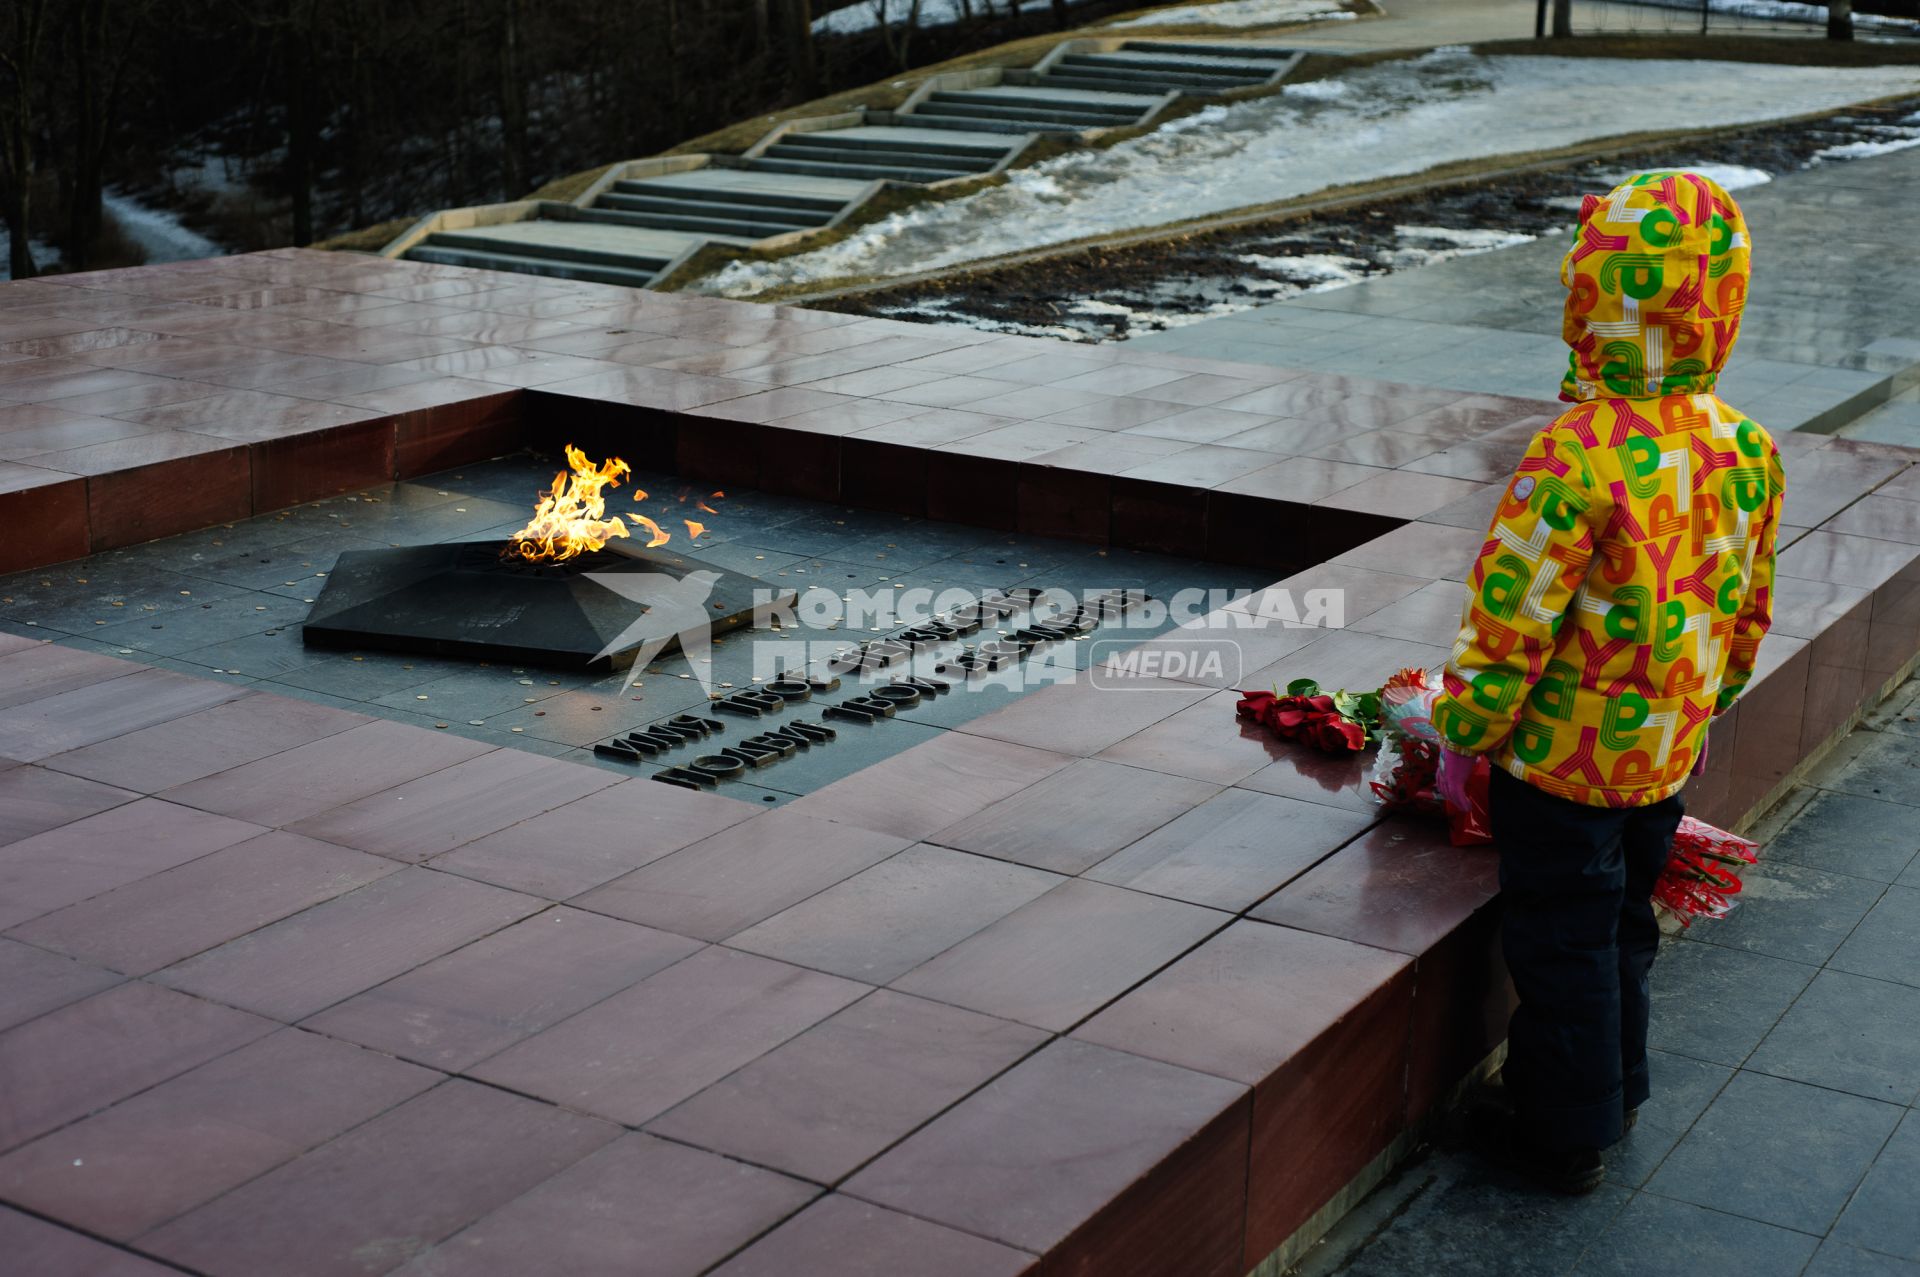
x,y
1111,293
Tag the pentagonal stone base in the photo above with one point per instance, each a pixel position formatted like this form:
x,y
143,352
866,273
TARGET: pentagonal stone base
x,y
464,600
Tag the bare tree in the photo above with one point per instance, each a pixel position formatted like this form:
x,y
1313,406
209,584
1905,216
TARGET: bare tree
x,y
98,58
1562,19
1839,19
20,61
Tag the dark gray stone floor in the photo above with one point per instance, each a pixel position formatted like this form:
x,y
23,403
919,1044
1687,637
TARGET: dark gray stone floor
x,y
1827,338
1782,1136
228,603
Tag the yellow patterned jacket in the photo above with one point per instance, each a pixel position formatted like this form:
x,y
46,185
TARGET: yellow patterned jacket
x,y
1620,598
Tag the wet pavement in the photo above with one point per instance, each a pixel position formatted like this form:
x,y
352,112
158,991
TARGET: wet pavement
x,y
1782,1137
1828,333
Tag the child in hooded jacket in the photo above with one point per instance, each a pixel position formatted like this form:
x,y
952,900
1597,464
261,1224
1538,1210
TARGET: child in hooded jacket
x,y
1615,608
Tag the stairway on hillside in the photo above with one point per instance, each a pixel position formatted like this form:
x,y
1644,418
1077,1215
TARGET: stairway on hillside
x,y
800,180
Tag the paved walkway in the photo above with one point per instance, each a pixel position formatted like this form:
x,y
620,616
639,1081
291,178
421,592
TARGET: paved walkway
x,y
1781,1138
1424,24
1832,331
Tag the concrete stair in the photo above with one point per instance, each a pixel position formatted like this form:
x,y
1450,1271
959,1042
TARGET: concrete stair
x,y
1015,108
1149,66
803,180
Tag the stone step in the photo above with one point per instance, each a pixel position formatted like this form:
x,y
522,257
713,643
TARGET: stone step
x,y
789,204
1250,52
692,204
870,155
1158,81
973,124
1041,103
1028,118
839,139
521,264
742,226
555,249
714,181
769,164
1203,68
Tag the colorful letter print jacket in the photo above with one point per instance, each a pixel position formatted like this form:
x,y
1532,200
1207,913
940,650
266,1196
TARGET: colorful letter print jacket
x,y
1620,597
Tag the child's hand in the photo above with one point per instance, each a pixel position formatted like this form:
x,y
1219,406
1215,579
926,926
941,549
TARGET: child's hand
x,y
1455,767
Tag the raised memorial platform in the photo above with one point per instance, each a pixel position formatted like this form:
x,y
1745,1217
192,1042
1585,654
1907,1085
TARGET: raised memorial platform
x,y
1089,983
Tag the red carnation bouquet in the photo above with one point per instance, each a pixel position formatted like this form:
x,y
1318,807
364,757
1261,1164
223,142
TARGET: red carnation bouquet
x,y
1699,881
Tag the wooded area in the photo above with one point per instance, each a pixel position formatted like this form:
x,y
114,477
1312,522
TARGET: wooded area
x,y
323,116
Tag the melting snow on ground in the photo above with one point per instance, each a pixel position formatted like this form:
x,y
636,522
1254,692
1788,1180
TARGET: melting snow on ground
x,y
1392,119
159,233
1238,14
1786,11
1892,137
870,15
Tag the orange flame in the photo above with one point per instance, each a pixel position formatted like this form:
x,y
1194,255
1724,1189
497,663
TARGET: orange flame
x,y
570,520
655,535
694,528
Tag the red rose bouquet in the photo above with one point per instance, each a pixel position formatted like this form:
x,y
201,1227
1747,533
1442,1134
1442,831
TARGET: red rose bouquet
x,y
1700,879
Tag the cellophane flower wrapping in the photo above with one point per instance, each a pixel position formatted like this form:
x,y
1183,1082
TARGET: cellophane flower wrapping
x,y
1703,875
1406,770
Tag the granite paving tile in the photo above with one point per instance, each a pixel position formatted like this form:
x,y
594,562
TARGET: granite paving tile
x,y
1112,1158
42,1247
1880,1215
125,843
1232,850
1081,718
1400,886
1682,1089
638,1053
1317,1026
90,1053
724,883
1790,911
1849,1033
88,715
1860,836
158,920
332,772
165,1151
330,952
1777,1151
438,812
198,745
1838,1259
383,1193
843,1237
1721,1002
34,800
581,844
1055,961
34,981
930,786
638,1205
1201,742
843,1091
1884,944
1694,1240
1077,816
459,1009
884,921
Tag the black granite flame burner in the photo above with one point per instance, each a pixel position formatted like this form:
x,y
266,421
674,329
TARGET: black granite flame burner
x,y
465,600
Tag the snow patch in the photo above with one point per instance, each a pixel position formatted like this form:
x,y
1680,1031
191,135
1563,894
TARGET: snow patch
x,y
158,233
1395,119
1238,14
870,15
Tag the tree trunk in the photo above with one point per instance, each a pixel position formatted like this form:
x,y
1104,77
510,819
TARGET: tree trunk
x,y
20,61
513,103
300,134
1562,19
1839,19
1060,19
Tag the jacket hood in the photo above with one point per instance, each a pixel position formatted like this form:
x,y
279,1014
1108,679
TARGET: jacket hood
x,y
1656,280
